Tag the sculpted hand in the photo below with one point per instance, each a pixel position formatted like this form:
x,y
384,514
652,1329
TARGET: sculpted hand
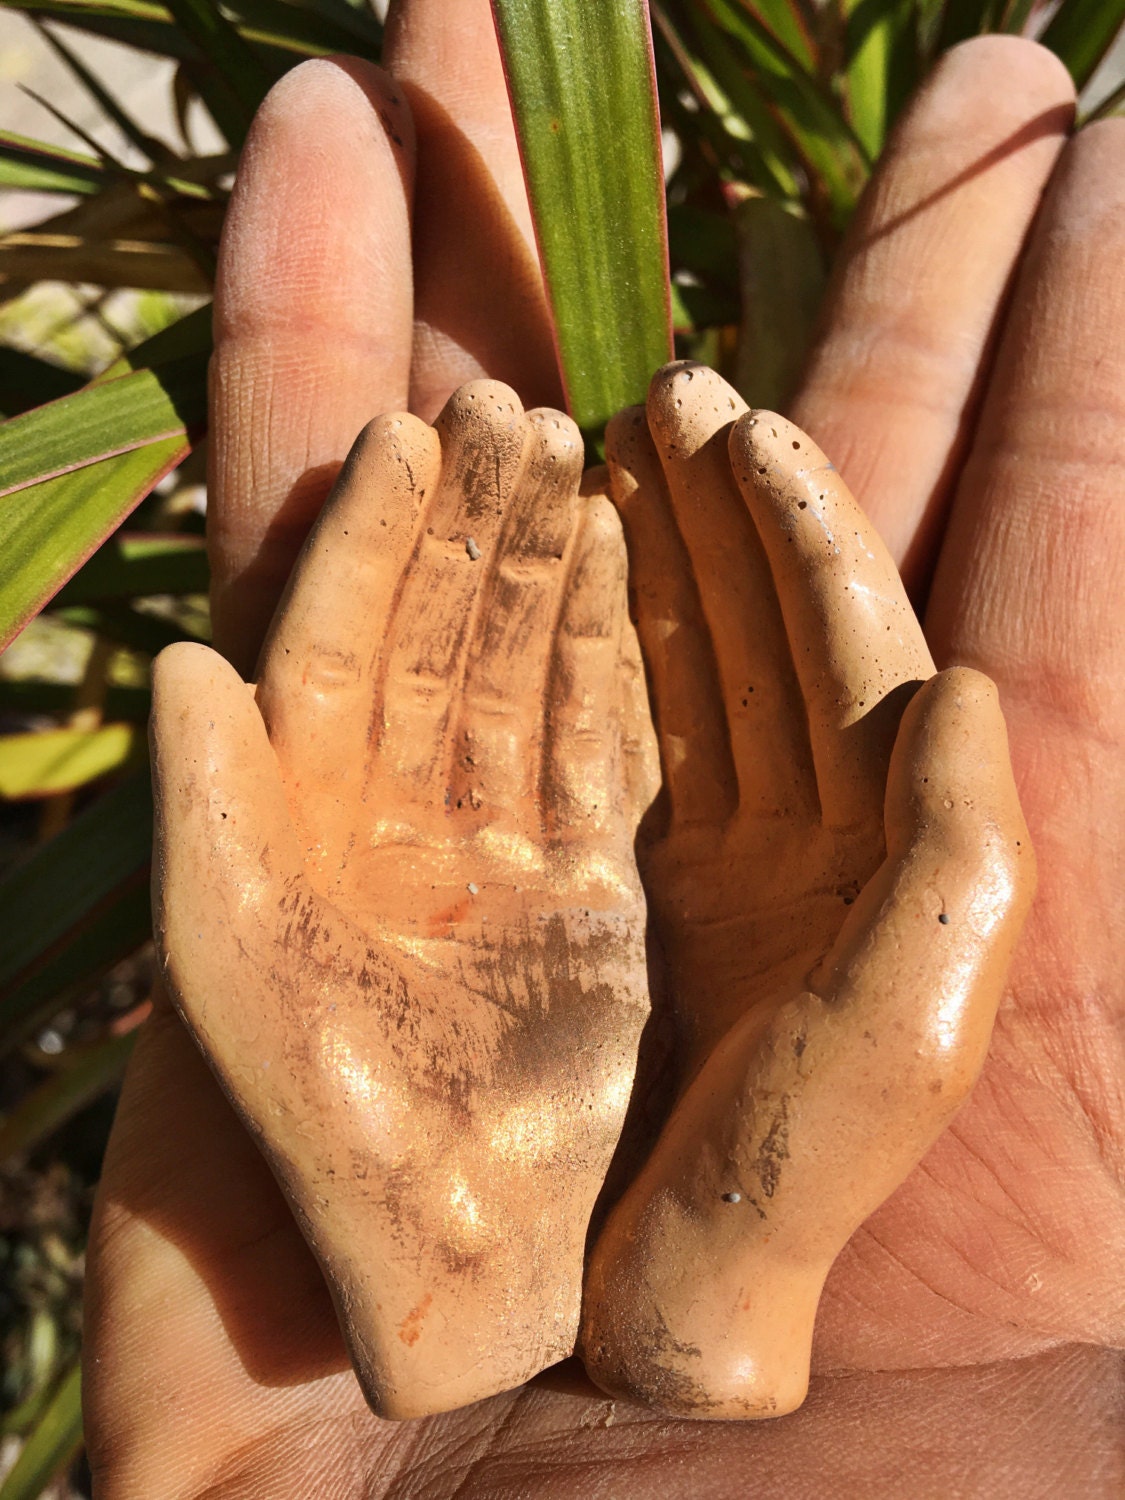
x,y
398,904
836,885
970,384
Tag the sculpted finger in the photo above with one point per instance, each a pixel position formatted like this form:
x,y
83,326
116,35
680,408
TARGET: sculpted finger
x,y
893,383
704,1287
313,323
226,856
316,680
484,438
497,740
691,412
684,688
479,300
583,786
854,638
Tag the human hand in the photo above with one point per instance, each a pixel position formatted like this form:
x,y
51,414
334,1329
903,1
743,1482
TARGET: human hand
x,y
837,875
963,1313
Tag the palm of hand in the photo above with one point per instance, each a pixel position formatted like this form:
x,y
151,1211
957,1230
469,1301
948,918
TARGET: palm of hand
x,y
420,890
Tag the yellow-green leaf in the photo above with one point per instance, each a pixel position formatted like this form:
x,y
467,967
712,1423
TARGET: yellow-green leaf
x,y
53,1443
60,760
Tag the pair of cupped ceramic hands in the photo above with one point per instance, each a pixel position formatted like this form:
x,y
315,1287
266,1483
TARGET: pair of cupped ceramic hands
x,y
399,907
485,1101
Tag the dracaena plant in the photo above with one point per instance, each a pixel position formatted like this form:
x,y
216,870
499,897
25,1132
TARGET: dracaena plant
x,y
773,113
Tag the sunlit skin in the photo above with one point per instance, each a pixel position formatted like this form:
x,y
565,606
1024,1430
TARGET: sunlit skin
x,y
964,1334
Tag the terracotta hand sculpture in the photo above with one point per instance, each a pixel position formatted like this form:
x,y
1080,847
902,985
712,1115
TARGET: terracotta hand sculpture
x,y
398,903
837,877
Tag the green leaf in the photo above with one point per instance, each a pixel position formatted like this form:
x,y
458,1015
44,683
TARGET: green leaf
x,y
804,109
54,1442
240,78
782,280
83,1077
103,420
48,530
36,167
882,65
1082,32
153,149
584,100
76,906
48,761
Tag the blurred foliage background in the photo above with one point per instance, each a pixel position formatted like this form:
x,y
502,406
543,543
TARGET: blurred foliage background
x,y
773,113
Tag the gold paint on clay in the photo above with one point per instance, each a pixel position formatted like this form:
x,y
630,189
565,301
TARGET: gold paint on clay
x,y
399,903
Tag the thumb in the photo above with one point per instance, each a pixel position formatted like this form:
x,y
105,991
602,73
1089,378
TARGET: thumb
x,y
226,863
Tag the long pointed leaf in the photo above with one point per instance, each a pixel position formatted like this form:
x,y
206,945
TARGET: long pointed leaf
x,y
48,530
1082,32
81,1080
103,420
75,906
584,99
36,167
54,1442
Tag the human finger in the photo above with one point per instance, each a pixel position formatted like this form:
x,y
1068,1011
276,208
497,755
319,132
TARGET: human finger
x,y
854,638
795,1130
893,383
1028,583
316,678
480,307
484,438
685,693
691,411
497,726
313,323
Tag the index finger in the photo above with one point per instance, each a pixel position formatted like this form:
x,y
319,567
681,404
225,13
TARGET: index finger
x,y
313,324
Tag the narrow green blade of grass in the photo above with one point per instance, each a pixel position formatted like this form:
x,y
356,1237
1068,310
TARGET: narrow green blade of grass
x,y
75,906
53,1443
1082,32
106,102
33,166
92,1072
785,21
882,65
584,98
806,113
237,79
